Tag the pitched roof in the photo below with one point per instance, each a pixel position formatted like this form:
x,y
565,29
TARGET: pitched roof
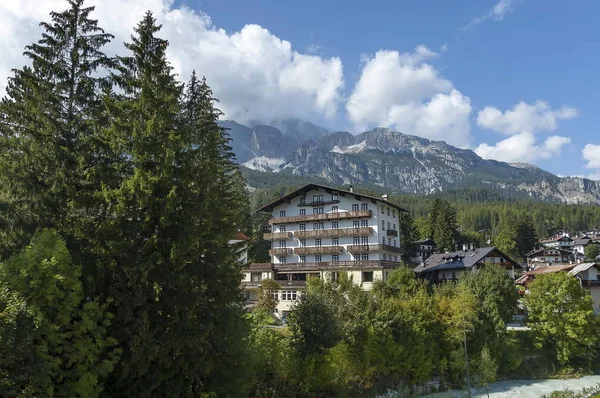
x,y
424,241
555,239
583,240
240,236
551,269
459,260
582,267
310,187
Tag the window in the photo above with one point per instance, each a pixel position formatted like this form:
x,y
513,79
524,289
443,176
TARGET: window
x,y
394,213
355,224
365,240
302,242
302,212
321,210
383,240
334,196
315,198
383,225
365,257
364,206
282,213
321,198
282,228
334,209
367,276
394,226
256,277
382,209
318,258
302,227
364,223
334,225
396,258
302,259
355,207
395,243
356,240
389,241
282,260
389,225
335,257
288,295
384,257
318,242
335,242
302,200
282,244
316,226
315,210
321,225
275,295
388,211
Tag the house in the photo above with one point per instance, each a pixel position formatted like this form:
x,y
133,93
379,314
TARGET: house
x,y
558,241
449,266
240,240
588,275
579,243
423,249
320,231
549,256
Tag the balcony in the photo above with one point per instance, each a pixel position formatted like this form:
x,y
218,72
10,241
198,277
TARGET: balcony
x,y
277,236
590,283
335,265
343,215
280,251
333,233
373,248
251,285
319,203
391,232
318,250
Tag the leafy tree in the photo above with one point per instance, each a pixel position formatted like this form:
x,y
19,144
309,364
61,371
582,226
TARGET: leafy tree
x,y
42,297
47,121
486,369
592,251
562,318
442,219
423,228
266,300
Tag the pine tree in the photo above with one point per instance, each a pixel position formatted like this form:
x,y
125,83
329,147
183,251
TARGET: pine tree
x,y
45,120
173,276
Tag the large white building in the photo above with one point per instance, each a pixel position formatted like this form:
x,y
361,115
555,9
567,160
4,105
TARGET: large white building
x,y
321,231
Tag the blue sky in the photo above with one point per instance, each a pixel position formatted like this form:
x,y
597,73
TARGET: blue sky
x,y
514,80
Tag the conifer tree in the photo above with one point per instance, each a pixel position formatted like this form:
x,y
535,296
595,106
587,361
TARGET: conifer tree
x,y
173,276
46,118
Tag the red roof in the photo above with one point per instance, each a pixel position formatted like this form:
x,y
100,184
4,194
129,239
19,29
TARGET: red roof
x,y
240,236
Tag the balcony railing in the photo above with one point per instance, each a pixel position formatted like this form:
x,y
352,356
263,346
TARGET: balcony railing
x,y
277,235
335,265
280,251
590,283
318,250
332,233
391,232
319,203
342,215
250,285
373,248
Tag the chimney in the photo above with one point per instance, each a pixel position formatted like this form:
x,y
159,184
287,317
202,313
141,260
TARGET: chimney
x,y
472,246
465,247
351,188
384,197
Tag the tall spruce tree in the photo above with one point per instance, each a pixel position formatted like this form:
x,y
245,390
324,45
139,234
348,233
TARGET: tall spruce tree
x,y
46,117
171,272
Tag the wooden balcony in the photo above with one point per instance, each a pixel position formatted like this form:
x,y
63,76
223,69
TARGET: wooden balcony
x,y
373,248
333,233
318,250
280,251
342,215
277,236
590,283
335,265
319,203
391,232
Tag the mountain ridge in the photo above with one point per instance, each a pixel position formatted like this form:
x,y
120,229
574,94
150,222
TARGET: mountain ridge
x,y
400,162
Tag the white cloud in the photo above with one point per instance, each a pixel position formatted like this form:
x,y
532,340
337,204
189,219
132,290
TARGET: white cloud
x,y
255,74
402,91
591,154
496,13
524,118
523,147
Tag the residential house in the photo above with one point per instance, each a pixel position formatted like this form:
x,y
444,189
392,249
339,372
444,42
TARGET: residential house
x,y
319,231
588,275
423,250
549,256
449,266
580,243
558,241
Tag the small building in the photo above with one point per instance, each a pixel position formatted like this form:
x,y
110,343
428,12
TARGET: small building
x,y
580,243
449,266
549,256
423,250
588,275
558,241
